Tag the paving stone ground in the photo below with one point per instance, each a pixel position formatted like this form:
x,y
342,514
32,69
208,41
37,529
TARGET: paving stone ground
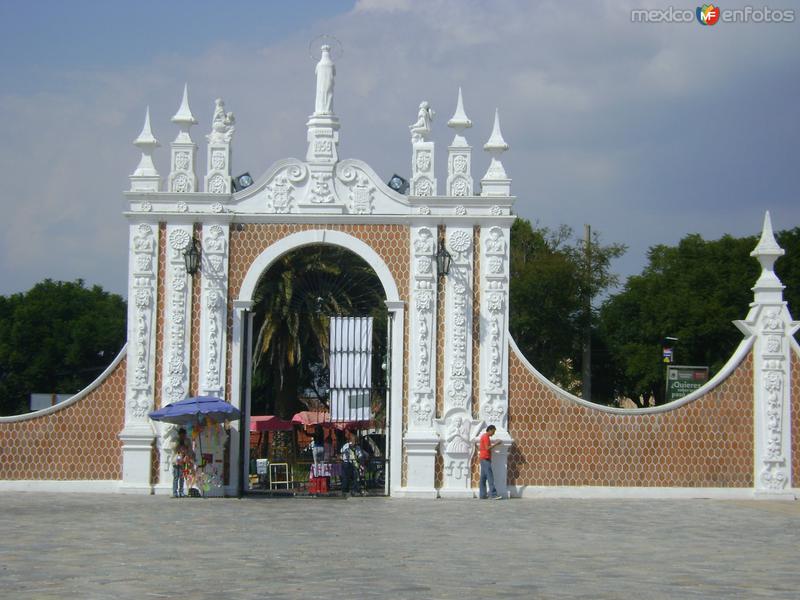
x,y
119,547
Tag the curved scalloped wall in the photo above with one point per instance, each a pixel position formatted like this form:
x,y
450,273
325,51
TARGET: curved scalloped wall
x,y
557,442
78,442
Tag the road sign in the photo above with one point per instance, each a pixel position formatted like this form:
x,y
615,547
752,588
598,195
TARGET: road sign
x,y
668,354
683,380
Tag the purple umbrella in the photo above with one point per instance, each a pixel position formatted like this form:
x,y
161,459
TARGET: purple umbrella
x,y
192,410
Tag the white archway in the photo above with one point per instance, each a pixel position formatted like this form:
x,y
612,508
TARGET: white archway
x,y
317,236
244,303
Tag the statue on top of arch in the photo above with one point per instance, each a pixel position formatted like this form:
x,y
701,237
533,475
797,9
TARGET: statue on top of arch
x,y
421,130
221,125
325,71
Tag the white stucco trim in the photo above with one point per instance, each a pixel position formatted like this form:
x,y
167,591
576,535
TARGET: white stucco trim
x,y
393,303
529,492
317,236
738,356
88,486
70,401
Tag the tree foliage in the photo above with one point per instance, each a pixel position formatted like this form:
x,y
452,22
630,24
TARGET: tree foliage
x,y
692,291
293,304
56,338
551,278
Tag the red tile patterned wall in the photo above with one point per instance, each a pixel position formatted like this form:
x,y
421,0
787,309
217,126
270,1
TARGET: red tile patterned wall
x,y
795,415
558,442
77,442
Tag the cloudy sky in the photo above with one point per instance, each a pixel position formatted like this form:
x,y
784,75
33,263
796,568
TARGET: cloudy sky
x,y
646,131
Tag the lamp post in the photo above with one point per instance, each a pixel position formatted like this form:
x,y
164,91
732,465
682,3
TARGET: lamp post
x,y
191,257
443,260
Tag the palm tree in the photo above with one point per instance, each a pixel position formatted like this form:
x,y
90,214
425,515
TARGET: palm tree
x,y
293,304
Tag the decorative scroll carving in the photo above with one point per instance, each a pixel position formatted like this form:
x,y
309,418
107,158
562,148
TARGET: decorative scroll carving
x,y
176,317
423,324
217,184
494,293
361,197
214,309
458,378
142,291
774,472
321,189
280,194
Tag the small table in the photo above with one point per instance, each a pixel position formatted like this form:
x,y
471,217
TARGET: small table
x,y
274,475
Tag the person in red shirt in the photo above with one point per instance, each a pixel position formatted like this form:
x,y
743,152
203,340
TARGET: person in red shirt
x,y
485,454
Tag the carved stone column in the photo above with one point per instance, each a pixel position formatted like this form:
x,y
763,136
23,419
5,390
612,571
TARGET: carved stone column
x,y
137,435
421,439
175,347
772,325
494,344
457,427
214,309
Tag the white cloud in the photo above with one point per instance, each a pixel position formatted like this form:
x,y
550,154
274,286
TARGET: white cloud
x,y
596,110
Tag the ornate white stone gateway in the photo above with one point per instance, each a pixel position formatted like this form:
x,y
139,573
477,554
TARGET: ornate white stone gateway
x,y
324,200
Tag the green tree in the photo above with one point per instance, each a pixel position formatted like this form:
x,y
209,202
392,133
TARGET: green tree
x,y
293,304
56,338
691,291
551,277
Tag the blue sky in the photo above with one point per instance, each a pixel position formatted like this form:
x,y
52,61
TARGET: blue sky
x,y
648,132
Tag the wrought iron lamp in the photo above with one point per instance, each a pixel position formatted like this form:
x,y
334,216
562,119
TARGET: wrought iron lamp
x,y
191,257
443,260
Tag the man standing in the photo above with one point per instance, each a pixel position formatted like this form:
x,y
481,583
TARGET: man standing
x,y
485,454
352,456
183,458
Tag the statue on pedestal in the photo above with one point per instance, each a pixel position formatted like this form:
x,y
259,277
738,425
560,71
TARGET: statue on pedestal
x,y
325,71
422,128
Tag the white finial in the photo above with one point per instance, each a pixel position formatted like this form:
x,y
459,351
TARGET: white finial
x,y
184,114
496,142
146,137
145,177
767,246
459,120
496,182
768,288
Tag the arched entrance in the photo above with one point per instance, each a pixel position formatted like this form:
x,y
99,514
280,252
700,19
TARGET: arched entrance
x,y
384,429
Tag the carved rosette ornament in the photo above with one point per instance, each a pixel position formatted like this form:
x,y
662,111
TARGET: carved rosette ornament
x,y
141,311
494,300
423,328
177,311
213,310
